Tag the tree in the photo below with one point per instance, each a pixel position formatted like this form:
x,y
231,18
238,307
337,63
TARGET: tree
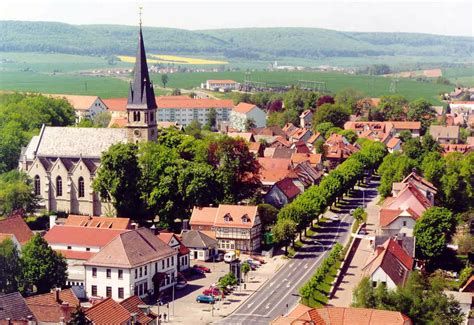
x,y
176,92
78,317
405,135
337,114
102,119
331,131
390,108
412,149
323,128
212,118
268,215
420,110
433,231
360,215
245,269
275,106
349,98
319,145
350,135
118,180
250,124
284,231
42,268
10,267
194,129
364,294
324,100
164,79
16,192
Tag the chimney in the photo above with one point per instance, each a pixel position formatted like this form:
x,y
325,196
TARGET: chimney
x,y
185,224
30,320
154,230
134,318
8,321
56,295
52,221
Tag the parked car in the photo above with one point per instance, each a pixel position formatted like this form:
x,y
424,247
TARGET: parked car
x,y
212,292
205,299
254,262
181,285
230,257
258,258
195,271
218,257
202,268
335,217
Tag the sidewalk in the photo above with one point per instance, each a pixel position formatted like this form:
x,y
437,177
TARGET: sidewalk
x,y
343,296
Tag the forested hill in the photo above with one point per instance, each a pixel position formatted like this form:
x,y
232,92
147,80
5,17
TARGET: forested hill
x,y
254,43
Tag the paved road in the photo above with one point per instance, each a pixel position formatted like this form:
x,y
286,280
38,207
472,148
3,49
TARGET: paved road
x,y
280,294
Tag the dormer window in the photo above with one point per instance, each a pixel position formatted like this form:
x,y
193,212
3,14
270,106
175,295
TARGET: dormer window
x,y
245,219
227,218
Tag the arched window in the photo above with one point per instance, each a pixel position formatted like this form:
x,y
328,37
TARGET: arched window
x,y
59,186
81,187
136,116
37,185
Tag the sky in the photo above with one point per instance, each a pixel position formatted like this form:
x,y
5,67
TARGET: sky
x,y
418,16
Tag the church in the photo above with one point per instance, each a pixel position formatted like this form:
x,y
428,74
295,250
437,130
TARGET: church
x,y
63,161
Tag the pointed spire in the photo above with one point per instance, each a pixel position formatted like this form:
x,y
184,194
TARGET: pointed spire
x,y
141,93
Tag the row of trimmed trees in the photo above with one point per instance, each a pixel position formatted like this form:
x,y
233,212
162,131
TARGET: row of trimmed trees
x,y
300,213
312,286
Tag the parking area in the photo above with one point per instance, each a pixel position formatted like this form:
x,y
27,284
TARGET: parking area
x,y
186,310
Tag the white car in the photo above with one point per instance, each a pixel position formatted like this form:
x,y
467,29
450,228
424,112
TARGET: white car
x,y
335,217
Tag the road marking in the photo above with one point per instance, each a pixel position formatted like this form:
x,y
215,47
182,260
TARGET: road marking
x,y
289,284
306,266
267,306
271,284
250,305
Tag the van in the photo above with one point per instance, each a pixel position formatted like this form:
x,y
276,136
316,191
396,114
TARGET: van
x,y
230,257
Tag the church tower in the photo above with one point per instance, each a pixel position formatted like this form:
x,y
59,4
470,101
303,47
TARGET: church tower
x,y
141,104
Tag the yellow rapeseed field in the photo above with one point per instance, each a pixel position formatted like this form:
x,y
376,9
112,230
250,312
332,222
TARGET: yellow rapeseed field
x,y
171,59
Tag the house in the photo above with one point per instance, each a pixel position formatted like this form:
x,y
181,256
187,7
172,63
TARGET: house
x,y
304,315
462,148
279,152
288,128
184,110
78,244
201,246
244,112
300,147
465,300
394,144
301,135
237,227
84,106
135,262
15,228
225,85
98,222
279,142
247,136
468,286
398,214
307,175
311,142
306,119
173,241
282,193
376,131
390,264
314,159
270,131
411,126
406,242
425,187
116,106
53,307
445,134
14,310
461,107
108,312
256,148
117,122
141,313
272,170
337,149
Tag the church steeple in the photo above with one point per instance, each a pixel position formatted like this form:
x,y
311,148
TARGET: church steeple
x,y
141,104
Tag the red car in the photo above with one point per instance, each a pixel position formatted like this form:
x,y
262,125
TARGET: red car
x,y
212,292
202,268
258,258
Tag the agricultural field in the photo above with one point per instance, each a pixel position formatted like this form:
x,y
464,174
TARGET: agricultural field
x,y
371,86
460,76
172,59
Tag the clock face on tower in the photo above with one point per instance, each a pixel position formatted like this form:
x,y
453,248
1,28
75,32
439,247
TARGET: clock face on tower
x,y
137,132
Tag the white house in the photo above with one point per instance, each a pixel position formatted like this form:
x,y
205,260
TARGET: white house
x,y
202,246
390,264
84,106
77,245
220,84
243,112
306,119
175,243
135,262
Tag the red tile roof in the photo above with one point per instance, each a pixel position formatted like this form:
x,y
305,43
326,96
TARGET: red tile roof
x,y
46,308
223,81
75,255
288,188
187,102
97,222
273,169
79,102
244,108
279,140
313,158
131,304
406,125
217,216
17,226
116,104
312,139
392,143
82,236
108,312
118,122
166,237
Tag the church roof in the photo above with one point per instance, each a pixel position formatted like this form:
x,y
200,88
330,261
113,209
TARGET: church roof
x,y
141,93
76,142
